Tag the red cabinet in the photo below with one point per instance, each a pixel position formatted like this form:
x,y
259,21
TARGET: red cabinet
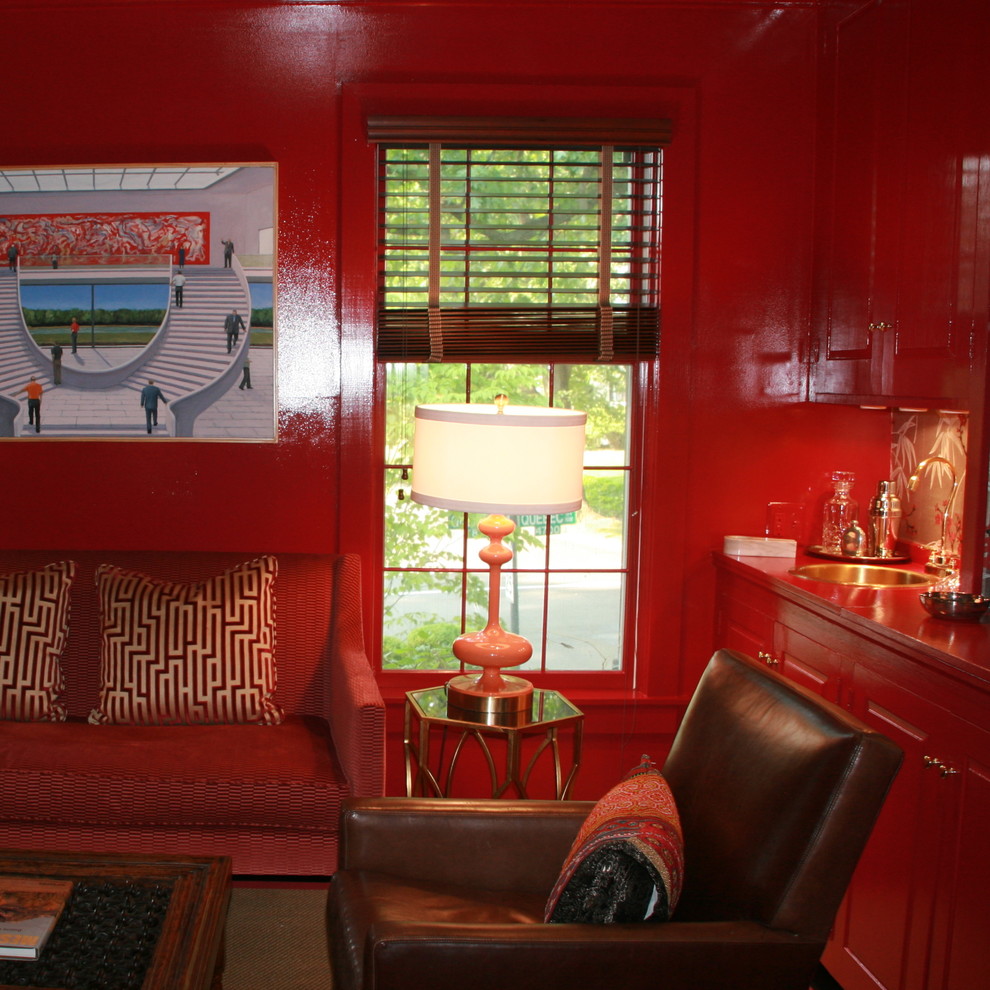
x,y
926,868
880,936
915,915
808,662
862,222
937,202
895,308
745,617
754,621
959,955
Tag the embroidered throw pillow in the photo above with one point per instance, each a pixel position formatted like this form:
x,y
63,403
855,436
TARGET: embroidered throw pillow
x,y
34,621
627,862
187,653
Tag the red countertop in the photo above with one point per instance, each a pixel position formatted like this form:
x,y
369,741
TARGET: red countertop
x,y
894,616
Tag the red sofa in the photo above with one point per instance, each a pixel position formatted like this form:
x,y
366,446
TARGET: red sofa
x,y
268,796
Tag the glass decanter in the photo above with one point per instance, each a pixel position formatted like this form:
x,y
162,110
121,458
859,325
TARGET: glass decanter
x,y
840,512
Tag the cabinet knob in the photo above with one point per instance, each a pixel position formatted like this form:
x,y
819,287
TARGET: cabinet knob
x,y
880,327
948,771
769,659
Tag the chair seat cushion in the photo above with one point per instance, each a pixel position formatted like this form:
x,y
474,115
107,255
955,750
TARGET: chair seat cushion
x,y
627,861
236,775
364,906
405,901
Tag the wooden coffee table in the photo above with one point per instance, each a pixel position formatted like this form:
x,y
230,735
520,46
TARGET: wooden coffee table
x,y
143,921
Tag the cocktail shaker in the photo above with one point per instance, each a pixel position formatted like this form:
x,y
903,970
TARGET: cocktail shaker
x,y
884,520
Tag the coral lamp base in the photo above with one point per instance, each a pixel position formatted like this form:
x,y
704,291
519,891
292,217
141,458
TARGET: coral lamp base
x,y
491,696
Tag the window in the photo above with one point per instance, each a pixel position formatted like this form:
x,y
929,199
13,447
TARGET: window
x,y
533,271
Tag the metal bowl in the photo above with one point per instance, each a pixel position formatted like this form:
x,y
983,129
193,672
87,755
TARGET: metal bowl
x,y
954,605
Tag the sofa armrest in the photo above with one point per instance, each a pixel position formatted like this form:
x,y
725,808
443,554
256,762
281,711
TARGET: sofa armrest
x,y
356,709
495,844
674,956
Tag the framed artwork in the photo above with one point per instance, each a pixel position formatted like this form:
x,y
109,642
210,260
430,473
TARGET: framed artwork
x,y
137,302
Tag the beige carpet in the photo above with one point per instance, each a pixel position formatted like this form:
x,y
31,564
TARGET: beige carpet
x,y
276,940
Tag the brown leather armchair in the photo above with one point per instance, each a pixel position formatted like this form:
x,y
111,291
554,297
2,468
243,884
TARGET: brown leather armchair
x,y
777,792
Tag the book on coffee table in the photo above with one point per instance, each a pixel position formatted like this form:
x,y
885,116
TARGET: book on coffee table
x,y
29,908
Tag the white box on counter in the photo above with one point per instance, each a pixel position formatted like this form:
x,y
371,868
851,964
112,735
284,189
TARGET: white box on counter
x,y
759,546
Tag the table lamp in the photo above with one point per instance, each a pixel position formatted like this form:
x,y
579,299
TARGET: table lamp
x,y
504,460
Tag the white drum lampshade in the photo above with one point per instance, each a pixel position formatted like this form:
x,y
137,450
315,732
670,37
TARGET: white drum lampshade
x,y
504,460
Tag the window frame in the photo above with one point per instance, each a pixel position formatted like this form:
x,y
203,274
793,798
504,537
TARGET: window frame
x,y
353,407
446,161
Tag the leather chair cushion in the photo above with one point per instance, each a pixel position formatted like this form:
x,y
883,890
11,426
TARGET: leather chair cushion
x,y
627,861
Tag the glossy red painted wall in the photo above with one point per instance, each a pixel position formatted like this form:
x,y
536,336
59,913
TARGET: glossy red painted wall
x,y
223,81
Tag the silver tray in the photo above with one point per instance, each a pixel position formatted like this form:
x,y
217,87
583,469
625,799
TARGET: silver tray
x,y
901,558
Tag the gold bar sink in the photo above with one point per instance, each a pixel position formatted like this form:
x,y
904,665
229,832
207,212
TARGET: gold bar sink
x,y
863,575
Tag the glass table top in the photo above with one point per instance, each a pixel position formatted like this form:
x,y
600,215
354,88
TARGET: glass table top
x,y
548,707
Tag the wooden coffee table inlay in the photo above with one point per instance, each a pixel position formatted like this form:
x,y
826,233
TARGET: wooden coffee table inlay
x,y
134,922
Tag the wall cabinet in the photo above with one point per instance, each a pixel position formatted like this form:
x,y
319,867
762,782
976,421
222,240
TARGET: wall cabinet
x,y
860,297
895,307
915,914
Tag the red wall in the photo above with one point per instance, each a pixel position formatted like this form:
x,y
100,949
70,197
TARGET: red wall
x,y
139,82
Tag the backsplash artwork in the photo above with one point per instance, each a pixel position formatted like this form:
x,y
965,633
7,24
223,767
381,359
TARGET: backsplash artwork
x,y
939,438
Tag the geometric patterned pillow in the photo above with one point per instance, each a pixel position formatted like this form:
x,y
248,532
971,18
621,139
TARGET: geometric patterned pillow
x,y
34,621
627,862
187,653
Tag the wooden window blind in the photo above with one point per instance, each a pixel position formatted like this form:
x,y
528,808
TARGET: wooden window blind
x,y
505,240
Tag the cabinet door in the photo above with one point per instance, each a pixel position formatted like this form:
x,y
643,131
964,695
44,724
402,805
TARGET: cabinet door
x,y
880,937
905,217
744,616
959,952
867,128
931,339
753,621
808,662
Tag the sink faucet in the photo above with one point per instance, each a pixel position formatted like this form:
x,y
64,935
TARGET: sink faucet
x,y
940,561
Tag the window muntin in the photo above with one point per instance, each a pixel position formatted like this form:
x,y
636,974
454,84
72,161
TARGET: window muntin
x,y
518,227
564,590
